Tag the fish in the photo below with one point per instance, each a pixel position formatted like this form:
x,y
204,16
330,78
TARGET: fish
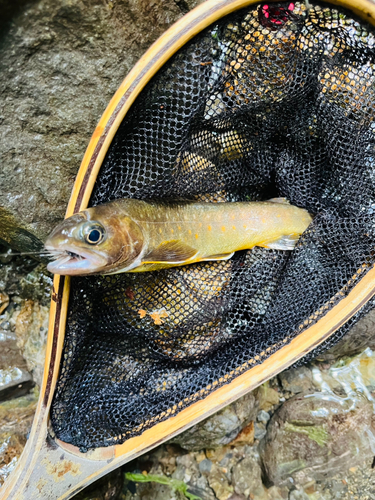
x,y
130,235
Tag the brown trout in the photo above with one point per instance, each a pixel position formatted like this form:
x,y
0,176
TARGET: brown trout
x,y
131,235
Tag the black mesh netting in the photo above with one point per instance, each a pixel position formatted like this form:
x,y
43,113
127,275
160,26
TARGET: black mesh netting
x,y
270,101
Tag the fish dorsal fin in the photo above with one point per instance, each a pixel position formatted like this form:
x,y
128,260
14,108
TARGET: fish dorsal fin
x,y
223,256
282,201
173,251
286,242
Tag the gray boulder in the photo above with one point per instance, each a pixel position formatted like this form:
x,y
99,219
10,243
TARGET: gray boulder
x,y
312,435
60,63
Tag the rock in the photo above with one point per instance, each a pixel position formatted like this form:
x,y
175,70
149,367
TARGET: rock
x,y
246,436
11,446
153,491
221,428
259,431
298,495
296,380
12,272
168,464
31,333
347,375
190,473
267,397
187,469
16,417
37,285
15,380
108,487
276,493
186,473
218,481
359,337
314,434
205,466
246,478
60,63
263,416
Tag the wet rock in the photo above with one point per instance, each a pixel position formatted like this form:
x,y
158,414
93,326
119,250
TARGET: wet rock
x,y
31,332
60,63
263,417
187,469
106,488
16,417
348,375
190,473
267,397
153,491
246,478
205,466
355,341
221,428
168,464
11,272
219,483
259,431
298,495
37,285
246,436
277,493
296,380
312,435
15,380
11,446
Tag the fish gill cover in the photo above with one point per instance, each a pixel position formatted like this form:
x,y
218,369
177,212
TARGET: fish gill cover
x,y
272,100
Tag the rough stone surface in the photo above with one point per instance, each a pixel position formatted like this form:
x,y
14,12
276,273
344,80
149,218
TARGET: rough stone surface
x,y
267,397
312,435
356,340
12,271
16,417
15,380
37,285
60,63
221,428
219,483
246,478
296,380
31,332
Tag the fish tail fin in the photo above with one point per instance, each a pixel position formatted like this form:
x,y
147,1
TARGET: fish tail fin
x,y
286,242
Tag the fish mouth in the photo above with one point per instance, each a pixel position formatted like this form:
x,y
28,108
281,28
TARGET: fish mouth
x,y
68,262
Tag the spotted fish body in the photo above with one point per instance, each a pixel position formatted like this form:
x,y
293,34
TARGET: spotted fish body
x,y
134,236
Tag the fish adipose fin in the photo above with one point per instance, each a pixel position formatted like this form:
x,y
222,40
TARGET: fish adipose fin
x,y
173,251
223,256
287,242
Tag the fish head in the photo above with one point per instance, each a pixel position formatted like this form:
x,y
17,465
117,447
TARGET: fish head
x,y
95,241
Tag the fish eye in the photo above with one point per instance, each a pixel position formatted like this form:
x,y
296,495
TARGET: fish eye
x,y
94,234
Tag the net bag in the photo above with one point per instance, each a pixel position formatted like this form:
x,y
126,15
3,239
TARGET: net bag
x,y
274,100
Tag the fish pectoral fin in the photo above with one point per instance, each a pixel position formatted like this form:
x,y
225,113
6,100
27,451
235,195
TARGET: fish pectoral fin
x,y
173,251
222,256
286,242
282,201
